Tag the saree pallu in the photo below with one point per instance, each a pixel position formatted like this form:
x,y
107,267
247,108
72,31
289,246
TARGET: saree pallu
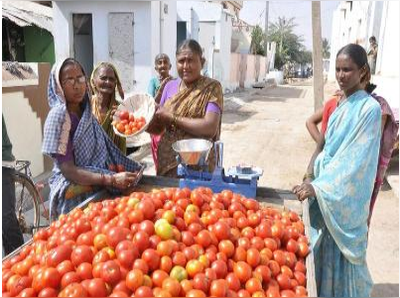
x,y
345,172
190,103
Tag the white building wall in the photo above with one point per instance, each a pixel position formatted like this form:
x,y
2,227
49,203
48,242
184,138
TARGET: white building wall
x,y
387,67
146,32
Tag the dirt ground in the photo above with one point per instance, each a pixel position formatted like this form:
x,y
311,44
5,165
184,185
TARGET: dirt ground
x,y
266,128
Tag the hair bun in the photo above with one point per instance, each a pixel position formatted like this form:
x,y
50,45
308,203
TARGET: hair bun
x,y
370,87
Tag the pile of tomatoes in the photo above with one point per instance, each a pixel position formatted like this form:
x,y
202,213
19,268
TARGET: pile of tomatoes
x,y
126,122
166,243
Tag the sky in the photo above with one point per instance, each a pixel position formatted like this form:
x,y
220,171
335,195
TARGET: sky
x,y
253,12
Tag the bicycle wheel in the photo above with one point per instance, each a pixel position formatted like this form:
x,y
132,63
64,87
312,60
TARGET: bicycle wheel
x,y
27,206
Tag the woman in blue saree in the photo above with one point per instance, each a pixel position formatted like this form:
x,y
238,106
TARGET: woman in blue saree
x,y
82,151
340,182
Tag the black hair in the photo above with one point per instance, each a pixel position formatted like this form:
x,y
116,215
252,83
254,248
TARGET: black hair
x,y
71,61
356,52
372,38
191,44
161,56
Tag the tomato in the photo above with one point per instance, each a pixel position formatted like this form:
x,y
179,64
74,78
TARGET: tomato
x,y
172,286
27,292
300,277
220,268
123,115
134,279
283,281
111,273
152,258
299,266
166,263
117,234
292,246
158,277
219,288
242,270
226,247
147,208
194,267
73,290
301,291
233,282
221,230
277,230
141,265
141,240
19,284
253,257
84,271
48,292
253,285
179,273
288,293
144,291
81,254
127,257
135,216
264,272
303,249
69,278
58,255
97,288
163,229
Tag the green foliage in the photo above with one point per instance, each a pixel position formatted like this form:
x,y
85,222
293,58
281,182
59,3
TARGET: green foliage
x,y
289,47
326,48
257,41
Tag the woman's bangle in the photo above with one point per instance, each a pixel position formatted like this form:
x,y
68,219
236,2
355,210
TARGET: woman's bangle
x,y
308,176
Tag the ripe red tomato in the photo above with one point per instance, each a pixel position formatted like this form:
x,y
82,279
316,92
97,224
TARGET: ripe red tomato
x,y
84,271
144,291
147,208
69,278
152,258
58,255
221,230
117,234
220,268
48,292
253,257
81,254
283,281
219,288
134,279
111,273
242,270
73,290
97,288
233,282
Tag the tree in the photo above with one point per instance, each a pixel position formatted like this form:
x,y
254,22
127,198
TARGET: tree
x,y
257,41
326,48
289,47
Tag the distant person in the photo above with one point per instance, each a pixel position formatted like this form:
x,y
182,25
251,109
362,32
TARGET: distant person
x,y
157,83
105,83
86,160
11,232
190,107
372,53
340,180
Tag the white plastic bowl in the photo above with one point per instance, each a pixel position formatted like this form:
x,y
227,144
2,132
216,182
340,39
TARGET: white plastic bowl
x,y
142,105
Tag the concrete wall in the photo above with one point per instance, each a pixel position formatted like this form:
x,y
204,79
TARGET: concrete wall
x,y
387,64
148,17
25,109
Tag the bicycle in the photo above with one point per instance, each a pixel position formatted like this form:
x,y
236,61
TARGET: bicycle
x,y
28,199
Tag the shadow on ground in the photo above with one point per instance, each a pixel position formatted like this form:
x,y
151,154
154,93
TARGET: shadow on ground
x,y
385,290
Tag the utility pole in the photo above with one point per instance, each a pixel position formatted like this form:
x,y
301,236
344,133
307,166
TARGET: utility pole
x,y
266,34
318,80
